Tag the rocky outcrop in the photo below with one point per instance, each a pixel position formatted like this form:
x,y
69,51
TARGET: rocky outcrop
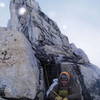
x,y
44,49
36,26
19,68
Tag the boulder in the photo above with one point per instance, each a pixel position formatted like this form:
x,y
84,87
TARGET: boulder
x,y
19,70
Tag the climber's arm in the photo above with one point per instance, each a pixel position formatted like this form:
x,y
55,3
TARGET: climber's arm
x,y
74,96
52,92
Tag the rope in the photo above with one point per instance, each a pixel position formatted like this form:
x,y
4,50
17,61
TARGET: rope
x,y
46,75
55,93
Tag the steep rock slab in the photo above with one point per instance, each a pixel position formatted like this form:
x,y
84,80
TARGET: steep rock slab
x,y
19,71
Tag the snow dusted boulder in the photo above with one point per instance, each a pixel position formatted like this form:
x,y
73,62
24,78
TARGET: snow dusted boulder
x,y
19,71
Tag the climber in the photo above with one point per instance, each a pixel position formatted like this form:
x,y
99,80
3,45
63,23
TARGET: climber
x,y
62,89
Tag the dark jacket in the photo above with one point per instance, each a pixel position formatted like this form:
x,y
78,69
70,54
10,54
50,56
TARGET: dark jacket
x,y
73,91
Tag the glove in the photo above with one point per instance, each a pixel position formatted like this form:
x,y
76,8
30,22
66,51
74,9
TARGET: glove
x,y
58,98
65,99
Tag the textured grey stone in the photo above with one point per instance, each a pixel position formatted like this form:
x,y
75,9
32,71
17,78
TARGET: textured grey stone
x,y
19,71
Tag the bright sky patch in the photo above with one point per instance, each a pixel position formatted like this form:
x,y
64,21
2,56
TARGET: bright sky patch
x,y
2,5
64,27
52,14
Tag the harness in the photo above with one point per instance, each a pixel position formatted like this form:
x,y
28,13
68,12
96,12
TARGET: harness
x,y
63,93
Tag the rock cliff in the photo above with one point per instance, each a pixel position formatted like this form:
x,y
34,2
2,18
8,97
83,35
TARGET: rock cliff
x,y
33,52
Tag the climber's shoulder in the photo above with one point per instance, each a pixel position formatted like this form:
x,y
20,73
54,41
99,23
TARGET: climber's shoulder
x,y
53,86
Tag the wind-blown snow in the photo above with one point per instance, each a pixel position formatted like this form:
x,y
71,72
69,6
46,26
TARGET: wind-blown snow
x,y
22,11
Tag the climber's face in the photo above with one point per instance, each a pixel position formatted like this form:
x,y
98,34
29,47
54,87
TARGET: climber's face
x,y
64,82
64,79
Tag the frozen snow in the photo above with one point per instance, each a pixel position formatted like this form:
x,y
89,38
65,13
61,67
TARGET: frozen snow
x,y
22,11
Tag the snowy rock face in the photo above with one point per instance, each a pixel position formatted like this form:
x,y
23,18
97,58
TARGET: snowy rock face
x,y
27,17
40,30
33,44
19,73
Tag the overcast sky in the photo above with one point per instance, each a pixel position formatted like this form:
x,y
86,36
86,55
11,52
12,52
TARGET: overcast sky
x,y
77,19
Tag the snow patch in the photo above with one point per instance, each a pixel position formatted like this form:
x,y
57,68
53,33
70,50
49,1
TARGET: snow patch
x,y
22,11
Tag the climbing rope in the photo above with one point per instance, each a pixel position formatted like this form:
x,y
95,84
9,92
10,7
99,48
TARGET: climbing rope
x,y
46,75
